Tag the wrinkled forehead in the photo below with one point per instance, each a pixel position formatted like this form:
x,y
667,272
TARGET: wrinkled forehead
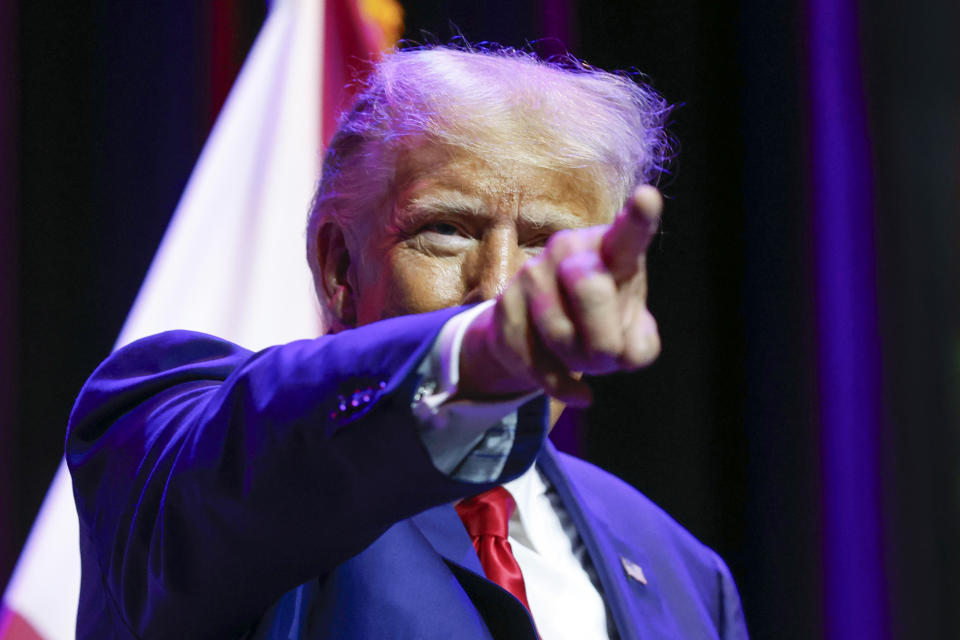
x,y
440,168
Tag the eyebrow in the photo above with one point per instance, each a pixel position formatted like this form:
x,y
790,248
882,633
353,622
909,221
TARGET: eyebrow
x,y
444,203
539,214
546,214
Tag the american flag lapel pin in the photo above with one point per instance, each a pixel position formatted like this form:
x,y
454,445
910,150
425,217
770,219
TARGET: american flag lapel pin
x,y
633,570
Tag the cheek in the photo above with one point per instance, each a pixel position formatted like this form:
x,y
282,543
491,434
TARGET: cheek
x,y
414,283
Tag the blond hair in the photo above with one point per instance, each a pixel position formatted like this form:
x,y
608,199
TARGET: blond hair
x,y
497,103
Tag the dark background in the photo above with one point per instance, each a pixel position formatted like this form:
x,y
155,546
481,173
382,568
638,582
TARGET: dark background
x,y
105,108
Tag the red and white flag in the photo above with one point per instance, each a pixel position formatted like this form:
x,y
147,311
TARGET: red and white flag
x,y
232,260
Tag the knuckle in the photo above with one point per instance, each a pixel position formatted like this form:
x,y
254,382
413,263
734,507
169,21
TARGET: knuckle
x,y
591,292
558,330
604,344
579,266
607,345
534,274
594,291
652,351
642,351
562,243
527,275
552,322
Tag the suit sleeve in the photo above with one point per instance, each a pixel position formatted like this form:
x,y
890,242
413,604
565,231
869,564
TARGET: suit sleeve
x,y
210,480
732,624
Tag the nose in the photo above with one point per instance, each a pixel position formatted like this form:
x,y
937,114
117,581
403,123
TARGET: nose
x,y
492,265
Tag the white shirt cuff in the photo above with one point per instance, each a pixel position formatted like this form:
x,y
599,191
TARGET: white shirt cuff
x,y
468,440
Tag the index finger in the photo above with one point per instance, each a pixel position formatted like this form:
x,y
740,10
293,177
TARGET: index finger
x,y
627,239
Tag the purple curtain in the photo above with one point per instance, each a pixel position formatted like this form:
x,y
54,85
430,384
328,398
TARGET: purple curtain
x,y
847,325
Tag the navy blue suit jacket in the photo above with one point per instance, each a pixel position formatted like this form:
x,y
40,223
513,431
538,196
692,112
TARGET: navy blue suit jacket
x,y
286,494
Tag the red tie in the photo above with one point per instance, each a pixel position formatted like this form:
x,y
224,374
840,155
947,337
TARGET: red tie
x,y
486,517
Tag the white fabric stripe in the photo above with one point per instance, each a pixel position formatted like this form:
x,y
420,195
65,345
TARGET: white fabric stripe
x,y
45,585
230,263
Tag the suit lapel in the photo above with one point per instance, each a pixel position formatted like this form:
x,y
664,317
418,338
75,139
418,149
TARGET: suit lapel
x,y
504,615
637,608
442,528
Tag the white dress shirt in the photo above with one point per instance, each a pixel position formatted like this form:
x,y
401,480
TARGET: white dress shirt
x,y
562,586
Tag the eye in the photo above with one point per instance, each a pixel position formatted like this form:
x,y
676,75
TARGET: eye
x,y
536,244
440,228
441,238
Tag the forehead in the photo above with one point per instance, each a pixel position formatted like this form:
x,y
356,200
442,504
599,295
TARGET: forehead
x,y
437,175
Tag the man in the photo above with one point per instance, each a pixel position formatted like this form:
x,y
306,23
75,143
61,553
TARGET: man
x,y
470,262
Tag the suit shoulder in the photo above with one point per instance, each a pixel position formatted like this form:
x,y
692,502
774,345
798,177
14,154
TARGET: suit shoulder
x,y
603,487
170,350
148,365
164,359
633,515
696,578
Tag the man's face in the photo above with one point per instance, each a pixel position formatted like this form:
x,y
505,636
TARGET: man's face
x,y
459,229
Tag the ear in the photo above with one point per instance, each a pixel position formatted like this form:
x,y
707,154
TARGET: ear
x,y
333,257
